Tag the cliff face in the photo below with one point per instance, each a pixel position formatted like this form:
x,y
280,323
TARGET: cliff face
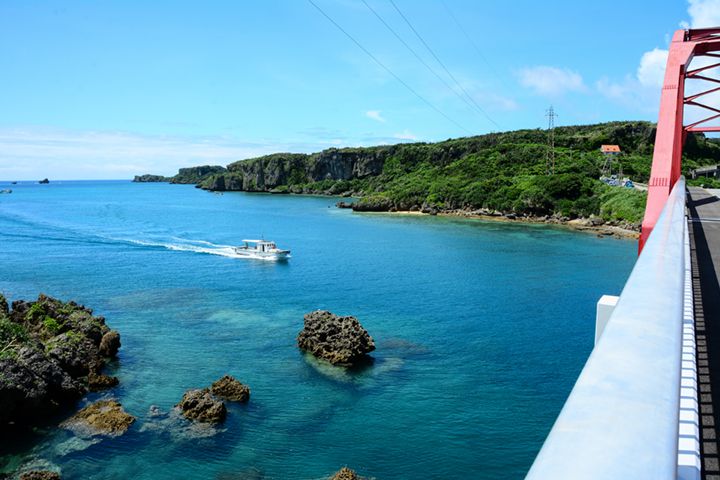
x,y
195,175
284,169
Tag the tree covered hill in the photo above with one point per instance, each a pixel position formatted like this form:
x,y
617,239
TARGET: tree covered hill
x,y
499,171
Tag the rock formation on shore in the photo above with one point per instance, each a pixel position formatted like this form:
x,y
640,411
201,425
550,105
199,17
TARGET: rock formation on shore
x,y
200,405
99,381
593,223
229,388
339,340
46,346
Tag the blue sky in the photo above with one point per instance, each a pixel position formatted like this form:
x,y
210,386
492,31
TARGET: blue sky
x,y
110,89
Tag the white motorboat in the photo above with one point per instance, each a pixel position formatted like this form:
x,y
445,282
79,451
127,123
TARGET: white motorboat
x,y
261,249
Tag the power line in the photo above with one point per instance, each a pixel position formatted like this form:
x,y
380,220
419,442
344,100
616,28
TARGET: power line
x,y
481,55
422,61
388,70
442,65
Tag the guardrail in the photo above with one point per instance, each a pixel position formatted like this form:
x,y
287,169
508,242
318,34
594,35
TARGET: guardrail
x,y
621,420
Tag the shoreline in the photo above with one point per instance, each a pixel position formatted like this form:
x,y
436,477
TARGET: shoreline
x,y
600,230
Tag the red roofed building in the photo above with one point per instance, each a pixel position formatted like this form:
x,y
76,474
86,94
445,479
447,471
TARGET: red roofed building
x,y
610,149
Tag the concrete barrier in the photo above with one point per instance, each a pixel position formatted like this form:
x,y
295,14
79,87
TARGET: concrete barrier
x,y
621,420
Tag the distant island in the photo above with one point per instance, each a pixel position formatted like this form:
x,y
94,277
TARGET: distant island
x,y
511,174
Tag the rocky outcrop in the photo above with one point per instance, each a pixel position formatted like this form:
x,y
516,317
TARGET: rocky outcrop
x,y
339,340
40,475
44,181
32,385
50,345
148,178
593,223
199,405
99,381
345,474
102,417
110,344
370,204
229,388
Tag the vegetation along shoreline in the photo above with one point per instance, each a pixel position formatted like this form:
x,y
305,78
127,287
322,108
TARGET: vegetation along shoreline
x,y
511,176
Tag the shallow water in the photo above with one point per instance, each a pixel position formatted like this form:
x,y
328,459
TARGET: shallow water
x,y
481,329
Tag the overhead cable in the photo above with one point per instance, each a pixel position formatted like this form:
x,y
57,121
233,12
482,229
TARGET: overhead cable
x,y
422,61
442,65
479,53
388,70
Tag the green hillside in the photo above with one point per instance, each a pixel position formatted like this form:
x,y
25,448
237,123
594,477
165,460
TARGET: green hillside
x,y
500,171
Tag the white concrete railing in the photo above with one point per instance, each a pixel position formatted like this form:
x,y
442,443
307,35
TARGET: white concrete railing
x,y
621,420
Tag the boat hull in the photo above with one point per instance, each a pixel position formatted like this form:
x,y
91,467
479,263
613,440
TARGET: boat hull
x,y
251,253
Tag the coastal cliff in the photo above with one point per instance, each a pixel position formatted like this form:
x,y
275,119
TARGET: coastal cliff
x,y
513,173
290,172
192,175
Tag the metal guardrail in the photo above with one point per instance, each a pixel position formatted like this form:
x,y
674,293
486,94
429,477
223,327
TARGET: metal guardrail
x,y
621,420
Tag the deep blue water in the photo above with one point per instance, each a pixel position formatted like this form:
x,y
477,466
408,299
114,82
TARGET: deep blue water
x,y
481,329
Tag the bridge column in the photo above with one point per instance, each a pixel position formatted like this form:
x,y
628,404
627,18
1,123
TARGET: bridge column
x,y
671,133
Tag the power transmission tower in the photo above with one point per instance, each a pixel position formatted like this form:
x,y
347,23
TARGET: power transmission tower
x,y
550,169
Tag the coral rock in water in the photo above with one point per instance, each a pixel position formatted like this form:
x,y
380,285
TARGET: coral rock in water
x,y
344,474
99,381
199,405
228,387
110,343
105,415
340,340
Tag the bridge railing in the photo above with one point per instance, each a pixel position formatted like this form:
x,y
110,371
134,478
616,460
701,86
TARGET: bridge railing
x,y
621,419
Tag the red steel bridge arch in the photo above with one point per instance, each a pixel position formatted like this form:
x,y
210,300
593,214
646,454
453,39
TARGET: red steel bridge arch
x,y
671,134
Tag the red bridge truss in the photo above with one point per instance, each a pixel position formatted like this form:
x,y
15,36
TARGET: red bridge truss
x,y
671,134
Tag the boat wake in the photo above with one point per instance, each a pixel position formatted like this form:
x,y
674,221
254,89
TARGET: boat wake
x,y
182,244
188,245
29,229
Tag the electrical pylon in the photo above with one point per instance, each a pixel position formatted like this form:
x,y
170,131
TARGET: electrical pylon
x,y
550,162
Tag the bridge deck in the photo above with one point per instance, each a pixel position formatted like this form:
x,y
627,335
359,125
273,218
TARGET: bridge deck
x,y
704,232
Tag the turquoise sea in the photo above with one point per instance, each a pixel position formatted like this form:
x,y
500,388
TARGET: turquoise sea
x,y
481,329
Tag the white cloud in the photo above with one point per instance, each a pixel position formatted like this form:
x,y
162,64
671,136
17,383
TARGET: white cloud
x,y
651,71
375,114
30,152
406,135
551,81
642,91
632,94
703,14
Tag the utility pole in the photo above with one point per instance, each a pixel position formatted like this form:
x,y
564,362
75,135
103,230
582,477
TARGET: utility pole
x,y
550,170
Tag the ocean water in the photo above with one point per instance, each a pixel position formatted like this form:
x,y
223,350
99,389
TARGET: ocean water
x,y
481,330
